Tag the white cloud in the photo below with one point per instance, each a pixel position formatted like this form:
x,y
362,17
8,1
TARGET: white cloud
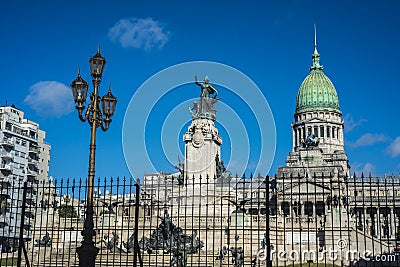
x,y
350,123
139,33
369,139
366,169
50,98
369,168
394,147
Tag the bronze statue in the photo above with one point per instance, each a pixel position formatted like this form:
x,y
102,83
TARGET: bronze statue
x,y
169,238
44,242
206,88
311,141
206,108
181,168
220,169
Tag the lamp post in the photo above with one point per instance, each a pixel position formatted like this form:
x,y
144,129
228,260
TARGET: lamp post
x,y
87,252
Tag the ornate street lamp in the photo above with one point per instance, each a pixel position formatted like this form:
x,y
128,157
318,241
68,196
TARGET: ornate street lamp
x,y
87,252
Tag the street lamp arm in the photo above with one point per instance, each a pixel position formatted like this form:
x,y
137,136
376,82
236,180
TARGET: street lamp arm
x,y
83,119
106,124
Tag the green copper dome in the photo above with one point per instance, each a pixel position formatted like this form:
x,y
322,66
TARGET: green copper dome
x,y
317,91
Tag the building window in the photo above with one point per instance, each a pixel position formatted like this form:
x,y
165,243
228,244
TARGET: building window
x,y
308,208
333,132
309,131
299,136
321,131
297,208
328,131
285,208
320,208
316,131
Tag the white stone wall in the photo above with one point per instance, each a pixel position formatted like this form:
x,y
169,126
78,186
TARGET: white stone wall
x,y
202,146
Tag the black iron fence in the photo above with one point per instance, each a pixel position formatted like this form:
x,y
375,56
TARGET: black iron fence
x,y
229,221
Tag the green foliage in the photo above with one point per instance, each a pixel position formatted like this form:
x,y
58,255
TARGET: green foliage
x,y
8,262
67,211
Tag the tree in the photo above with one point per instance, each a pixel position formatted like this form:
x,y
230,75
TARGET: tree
x,y
67,211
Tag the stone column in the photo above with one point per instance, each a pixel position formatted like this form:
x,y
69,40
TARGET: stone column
x,y
341,135
365,219
378,223
392,223
299,136
294,137
314,209
301,208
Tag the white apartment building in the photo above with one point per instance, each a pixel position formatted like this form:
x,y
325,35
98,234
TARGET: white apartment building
x,y
24,157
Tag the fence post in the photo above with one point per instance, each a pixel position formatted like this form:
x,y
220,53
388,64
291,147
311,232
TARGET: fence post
x,y
21,229
267,236
136,231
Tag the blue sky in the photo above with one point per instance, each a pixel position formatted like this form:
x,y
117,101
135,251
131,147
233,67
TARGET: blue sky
x,y
271,42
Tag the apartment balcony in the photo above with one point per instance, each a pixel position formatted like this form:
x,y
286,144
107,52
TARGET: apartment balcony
x,y
5,167
4,192
32,179
32,173
33,149
5,230
30,193
5,154
33,162
5,181
30,203
7,143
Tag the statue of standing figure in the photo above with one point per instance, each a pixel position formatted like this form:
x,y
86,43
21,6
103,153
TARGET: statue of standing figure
x,y
206,108
206,88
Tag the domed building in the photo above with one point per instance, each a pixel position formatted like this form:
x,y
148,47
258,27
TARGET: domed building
x,y
312,186
317,111
317,131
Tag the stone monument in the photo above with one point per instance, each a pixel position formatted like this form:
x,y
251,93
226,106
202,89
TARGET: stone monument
x,y
202,140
